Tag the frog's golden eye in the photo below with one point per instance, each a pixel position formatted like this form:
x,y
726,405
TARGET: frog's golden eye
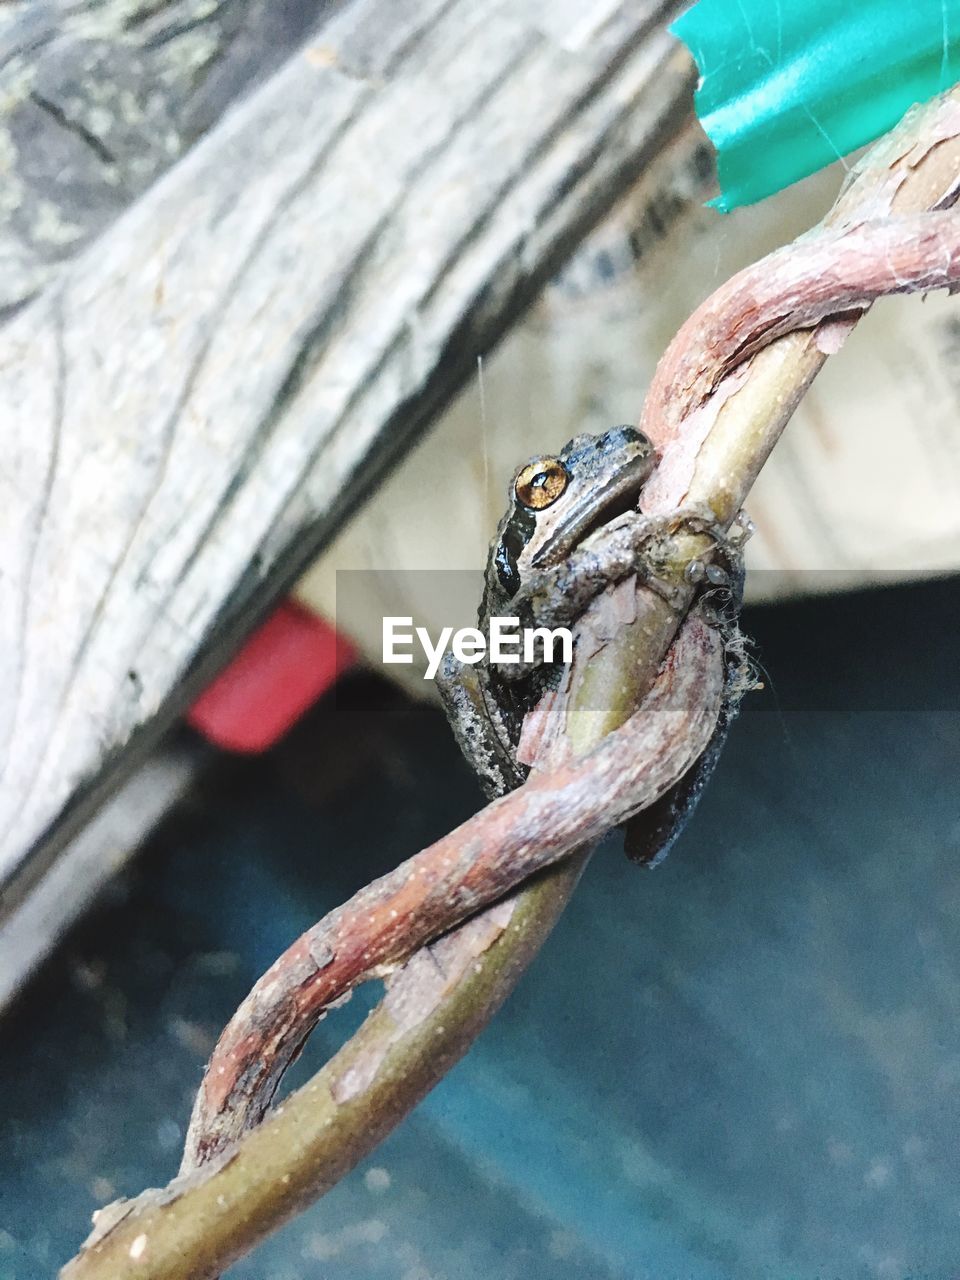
x,y
541,483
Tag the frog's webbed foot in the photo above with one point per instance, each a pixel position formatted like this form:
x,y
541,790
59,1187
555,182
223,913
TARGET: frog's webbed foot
x,y
722,577
478,726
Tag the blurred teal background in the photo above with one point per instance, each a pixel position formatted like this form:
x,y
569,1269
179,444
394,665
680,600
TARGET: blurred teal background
x,y
742,1064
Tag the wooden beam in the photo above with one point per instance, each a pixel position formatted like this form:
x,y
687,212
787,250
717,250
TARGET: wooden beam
x,y
98,98
194,404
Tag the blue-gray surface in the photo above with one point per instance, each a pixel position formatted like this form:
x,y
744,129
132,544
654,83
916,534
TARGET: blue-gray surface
x,y
743,1064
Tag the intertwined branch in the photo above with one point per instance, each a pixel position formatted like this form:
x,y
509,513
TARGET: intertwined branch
x,y
720,399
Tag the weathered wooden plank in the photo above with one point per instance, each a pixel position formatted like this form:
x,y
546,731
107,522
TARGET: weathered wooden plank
x,y
100,97
195,404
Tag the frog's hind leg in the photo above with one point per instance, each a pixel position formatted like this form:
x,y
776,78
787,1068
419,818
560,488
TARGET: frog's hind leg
x,y
478,726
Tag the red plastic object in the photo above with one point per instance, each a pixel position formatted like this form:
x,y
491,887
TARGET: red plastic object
x,y
279,673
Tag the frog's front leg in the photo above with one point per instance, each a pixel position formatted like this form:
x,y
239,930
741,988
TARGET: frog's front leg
x,y
630,544
478,725
627,545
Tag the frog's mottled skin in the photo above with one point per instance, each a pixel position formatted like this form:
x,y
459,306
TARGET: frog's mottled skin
x,y
530,575
606,474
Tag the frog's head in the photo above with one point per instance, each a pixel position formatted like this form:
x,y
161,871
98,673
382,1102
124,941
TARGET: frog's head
x,y
558,500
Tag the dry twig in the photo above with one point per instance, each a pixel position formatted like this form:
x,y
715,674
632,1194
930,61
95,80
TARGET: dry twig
x,y
476,864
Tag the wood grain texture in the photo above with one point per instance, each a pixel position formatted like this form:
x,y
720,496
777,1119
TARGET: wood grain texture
x,y
100,97
195,403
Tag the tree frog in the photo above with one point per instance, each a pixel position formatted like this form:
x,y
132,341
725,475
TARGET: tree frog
x,y
540,571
